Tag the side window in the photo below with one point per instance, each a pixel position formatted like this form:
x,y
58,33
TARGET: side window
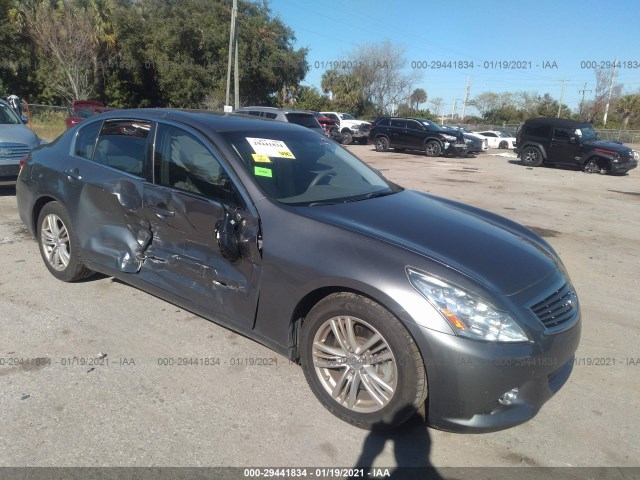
x,y
383,123
540,131
122,145
86,140
398,123
562,134
490,134
270,115
414,125
181,161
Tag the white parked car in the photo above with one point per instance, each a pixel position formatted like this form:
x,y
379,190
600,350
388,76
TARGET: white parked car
x,y
350,128
498,139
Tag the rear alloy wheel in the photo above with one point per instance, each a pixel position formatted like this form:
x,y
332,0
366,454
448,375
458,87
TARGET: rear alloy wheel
x,y
382,144
59,245
531,157
596,165
361,363
503,144
433,149
347,138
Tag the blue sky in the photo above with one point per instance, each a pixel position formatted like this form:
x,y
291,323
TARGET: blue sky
x,y
566,32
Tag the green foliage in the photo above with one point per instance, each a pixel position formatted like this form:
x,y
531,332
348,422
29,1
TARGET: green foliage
x,y
158,52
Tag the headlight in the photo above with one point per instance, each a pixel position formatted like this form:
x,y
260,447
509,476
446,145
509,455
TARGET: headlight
x,y
449,138
469,315
635,155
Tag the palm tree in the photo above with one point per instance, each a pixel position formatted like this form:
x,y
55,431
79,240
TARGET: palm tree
x,y
628,107
330,79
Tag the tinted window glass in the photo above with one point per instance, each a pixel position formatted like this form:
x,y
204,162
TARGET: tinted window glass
x,y
383,123
86,140
181,161
122,145
8,116
414,125
270,115
333,117
540,131
398,123
304,119
563,134
303,167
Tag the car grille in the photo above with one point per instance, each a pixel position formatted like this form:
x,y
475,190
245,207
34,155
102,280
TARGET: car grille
x,y
364,128
559,310
13,151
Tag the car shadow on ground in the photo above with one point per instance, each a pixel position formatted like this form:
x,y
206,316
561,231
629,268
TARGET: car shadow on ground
x,y
7,191
411,449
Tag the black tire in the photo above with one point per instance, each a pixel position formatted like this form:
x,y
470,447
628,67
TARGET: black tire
x,y
381,144
347,138
433,148
597,165
503,144
531,157
363,141
60,252
404,368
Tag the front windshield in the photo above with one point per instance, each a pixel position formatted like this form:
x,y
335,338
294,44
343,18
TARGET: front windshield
x,y
346,116
587,133
429,123
8,116
505,135
304,168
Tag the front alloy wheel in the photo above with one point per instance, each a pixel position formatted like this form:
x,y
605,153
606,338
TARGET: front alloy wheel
x,y
382,144
531,157
361,362
433,149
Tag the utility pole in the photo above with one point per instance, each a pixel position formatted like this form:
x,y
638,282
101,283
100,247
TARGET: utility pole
x,y
453,107
583,91
233,46
561,96
466,97
606,108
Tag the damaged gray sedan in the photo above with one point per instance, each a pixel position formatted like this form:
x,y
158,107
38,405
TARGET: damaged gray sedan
x,y
390,299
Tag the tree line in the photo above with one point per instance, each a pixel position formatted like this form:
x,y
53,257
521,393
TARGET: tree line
x,y
147,53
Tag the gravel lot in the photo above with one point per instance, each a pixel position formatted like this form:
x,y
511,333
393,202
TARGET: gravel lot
x,y
130,411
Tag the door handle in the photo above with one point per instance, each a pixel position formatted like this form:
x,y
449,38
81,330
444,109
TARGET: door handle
x,y
162,211
73,174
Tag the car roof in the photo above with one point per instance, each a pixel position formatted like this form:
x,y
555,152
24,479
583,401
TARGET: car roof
x,y
218,122
558,122
270,109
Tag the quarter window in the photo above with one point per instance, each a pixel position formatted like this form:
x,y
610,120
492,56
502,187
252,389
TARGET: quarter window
x,y
540,131
563,134
181,161
122,144
398,123
86,140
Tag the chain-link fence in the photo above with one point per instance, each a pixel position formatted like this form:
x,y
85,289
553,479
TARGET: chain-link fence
x,y
48,121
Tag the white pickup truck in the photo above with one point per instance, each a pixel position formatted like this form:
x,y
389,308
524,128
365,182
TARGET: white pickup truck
x,y
350,128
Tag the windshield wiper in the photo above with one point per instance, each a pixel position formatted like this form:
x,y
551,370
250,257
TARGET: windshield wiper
x,y
368,196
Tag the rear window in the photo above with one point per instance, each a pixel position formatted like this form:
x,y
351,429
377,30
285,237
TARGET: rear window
x,y
304,119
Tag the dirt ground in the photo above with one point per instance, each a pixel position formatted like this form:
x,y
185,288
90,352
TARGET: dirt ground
x,y
131,409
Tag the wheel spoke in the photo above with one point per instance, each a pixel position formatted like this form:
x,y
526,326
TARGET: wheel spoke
x,y
371,389
371,373
375,338
353,391
351,334
64,256
340,389
338,332
330,350
55,261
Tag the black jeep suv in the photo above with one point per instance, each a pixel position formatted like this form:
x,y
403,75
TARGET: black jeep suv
x,y
557,141
402,133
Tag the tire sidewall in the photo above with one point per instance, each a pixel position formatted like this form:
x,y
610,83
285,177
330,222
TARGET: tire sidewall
x,y
438,148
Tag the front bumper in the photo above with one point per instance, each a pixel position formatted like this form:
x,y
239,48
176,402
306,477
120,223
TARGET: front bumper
x,y
623,167
466,378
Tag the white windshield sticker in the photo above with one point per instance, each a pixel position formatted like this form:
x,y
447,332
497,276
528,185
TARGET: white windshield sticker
x,y
271,148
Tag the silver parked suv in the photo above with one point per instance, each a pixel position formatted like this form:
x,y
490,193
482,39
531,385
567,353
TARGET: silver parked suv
x,y
298,117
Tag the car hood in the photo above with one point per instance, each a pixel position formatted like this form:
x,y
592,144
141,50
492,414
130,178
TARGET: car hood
x,y
487,248
608,144
18,134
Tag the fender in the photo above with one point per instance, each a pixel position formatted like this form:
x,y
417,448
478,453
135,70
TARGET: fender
x,y
598,153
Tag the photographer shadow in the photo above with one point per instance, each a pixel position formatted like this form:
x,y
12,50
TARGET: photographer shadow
x,y
411,448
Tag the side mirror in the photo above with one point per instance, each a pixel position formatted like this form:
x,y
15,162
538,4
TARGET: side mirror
x,y
24,119
227,237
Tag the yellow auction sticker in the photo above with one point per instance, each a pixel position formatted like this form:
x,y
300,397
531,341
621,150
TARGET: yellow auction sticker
x,y
260,158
